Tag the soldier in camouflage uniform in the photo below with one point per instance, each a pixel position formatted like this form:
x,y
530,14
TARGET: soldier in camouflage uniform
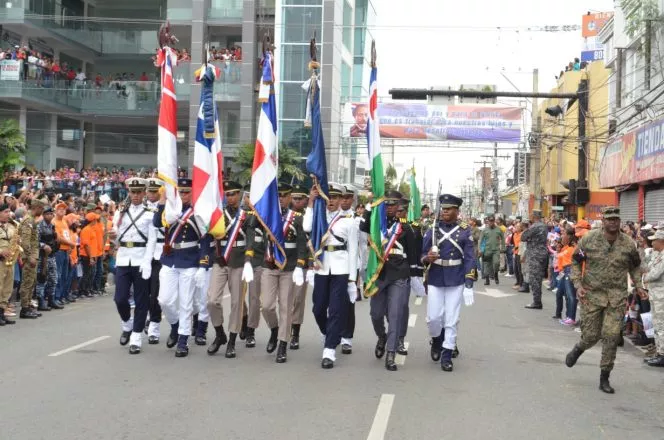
x,y
30,255
654,278
47,280
537,259
600,265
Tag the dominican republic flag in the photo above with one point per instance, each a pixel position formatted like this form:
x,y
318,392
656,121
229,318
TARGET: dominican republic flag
x,y
316,164
207,182
264,194
378,229
167,152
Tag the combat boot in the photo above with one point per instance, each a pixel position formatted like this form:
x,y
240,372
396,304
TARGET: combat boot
x,y
173,336
380,346
486,281
436,347
390,363
230,348
657,361
573,356
182,350
446,360
281,352
401,347
28,313
250,342
497,281
295,337
604,384
272,342
243,329
219,340
201,333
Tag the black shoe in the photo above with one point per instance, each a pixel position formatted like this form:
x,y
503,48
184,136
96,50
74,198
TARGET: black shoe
x,y
64,301
281,352
497,281
153,340
201,333
27,313
243,329
556,317
327,364
390,364
36,312
533,306
486,281
573,356
295,337
455,352
446,360
401,348
604,384
346,349
230,348
272,342
54,305
5,320
525,288
436,347
173,336
250,342
60,303
219,340
134,349
43,308
124,338
71,299
194,324
657,361
380,347
182,350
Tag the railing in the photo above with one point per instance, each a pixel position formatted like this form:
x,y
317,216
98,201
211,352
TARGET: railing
x,y
227,87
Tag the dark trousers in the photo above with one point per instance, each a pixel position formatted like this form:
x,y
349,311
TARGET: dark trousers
x,y
349,327
518,273
330,306
88,275
125,277
403,329
155,308
99,272
509,258
389,302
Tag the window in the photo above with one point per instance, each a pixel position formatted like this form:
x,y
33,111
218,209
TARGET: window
x,y
293,101
347,35
346,72
300,24
295,60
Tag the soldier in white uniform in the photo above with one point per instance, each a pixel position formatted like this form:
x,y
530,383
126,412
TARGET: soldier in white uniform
x,y
336,271
133,265
346,206
156,233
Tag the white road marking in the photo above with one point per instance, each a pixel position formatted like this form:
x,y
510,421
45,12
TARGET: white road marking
x,y
81,345
418,301
494,293
412,319
400,359
379,425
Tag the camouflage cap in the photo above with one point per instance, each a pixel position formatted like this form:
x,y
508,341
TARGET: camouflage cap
x,y
611,212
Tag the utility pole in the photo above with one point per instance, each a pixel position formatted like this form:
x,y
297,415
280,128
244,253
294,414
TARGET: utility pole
x,y
536,150
582,181
495,180
647,53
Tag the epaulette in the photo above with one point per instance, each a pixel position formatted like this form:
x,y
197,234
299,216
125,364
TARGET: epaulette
x,y
297,214
403,220
416,224
463,225
348,216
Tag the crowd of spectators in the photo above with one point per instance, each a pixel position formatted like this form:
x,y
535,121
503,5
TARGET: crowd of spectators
x,y
572,66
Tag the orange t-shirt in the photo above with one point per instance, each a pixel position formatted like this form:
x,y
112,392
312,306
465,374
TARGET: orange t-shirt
x,y
62,230
73,256
109,228
89,238
99,228
517,239
564,258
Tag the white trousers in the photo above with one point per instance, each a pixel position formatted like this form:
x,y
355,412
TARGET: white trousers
x,y
200,299
176,296
443,307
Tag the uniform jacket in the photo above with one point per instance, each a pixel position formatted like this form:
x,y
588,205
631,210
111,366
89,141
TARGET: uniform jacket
x,y
157,232
654,277
236,257
535,236
29,237
418,230
342,232
295,243
7,232
492,241
192,232
46,234
458,274
132,225
256,237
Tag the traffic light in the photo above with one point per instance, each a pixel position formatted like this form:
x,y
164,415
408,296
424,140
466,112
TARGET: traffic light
x,y
582,196
571,196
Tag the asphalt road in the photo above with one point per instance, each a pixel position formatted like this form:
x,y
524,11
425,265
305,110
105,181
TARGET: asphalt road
x,y
510,382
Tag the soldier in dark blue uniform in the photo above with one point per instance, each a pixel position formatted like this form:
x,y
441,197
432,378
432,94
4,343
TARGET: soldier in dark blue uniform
x,y
185,251
448,251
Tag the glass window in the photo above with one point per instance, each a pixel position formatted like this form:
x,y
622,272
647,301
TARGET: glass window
x,y
346,72
347,35
303,2
293,101
295,60
300,24
69,133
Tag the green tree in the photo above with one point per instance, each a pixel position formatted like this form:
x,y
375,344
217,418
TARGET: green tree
x,y
289,164
404,189
390,177
636,11
12,145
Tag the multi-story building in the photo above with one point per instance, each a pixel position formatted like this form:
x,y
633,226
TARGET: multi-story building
x,y
633,160
559,143
110,117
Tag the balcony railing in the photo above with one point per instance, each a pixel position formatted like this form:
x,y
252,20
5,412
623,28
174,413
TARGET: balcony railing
x,y
227,87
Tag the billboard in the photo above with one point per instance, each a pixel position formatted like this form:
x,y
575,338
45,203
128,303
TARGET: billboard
x,y
474,123
10,70
591,24
637,156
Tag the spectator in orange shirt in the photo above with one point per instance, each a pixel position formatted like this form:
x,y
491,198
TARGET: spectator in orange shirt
x,y
62,261
565,264
89,253
74,226
102,236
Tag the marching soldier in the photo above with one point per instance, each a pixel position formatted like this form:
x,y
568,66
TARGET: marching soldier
x,y
276,283
133,263
393,281
228,269
183,255
346,207
47,272
492,244
334,280
252,312
448,250
416,271
158,235
30,255
9,242
299,199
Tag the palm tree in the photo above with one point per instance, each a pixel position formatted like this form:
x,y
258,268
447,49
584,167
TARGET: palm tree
x,y
289,164
390,176
12,145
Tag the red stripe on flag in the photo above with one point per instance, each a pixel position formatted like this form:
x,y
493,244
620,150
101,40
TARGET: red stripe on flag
x,y
201,178
259,155
220,174
216,215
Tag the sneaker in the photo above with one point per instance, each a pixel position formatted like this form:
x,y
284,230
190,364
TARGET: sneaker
x,y
554,290
568,322
509,275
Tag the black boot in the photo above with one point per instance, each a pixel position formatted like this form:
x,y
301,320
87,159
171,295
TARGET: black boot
x,y
573,356
525,288
173,336
455,352
281,352
55,305
243,329
390,364
295,337
124,337
533,306
446,360
201,333
219,340
230,348
27,313
182,350
486,281
604,384
436,347
497,282
250,342
657,361
194,325
401,347
380,347
272,342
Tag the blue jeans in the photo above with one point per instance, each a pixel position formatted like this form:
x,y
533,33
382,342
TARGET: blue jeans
x,y
570,291
98,273
555,284
509,257
62,263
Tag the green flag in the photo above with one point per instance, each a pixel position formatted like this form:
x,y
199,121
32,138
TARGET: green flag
x,y
415,203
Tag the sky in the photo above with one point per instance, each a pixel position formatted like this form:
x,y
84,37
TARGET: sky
x,y
431,43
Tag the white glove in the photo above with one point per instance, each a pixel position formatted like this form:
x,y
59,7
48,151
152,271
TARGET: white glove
x,y
468,296
352,291
310,277
199,278
146,270
417,286
248,272
298,276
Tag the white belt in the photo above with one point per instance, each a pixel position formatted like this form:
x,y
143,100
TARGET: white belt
x,y
236,244
290,245
185,245
446,263
397,252
258,239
